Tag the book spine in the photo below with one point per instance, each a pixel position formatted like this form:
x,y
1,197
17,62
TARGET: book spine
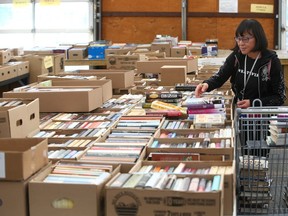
x,y
194,184
216,183
163,95
153,180
142,182
205,111
204,106
121,179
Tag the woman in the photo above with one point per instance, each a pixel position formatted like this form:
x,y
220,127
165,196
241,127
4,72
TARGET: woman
x,y
254,71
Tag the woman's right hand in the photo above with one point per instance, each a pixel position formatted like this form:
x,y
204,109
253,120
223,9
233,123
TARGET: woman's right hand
x,y
200,89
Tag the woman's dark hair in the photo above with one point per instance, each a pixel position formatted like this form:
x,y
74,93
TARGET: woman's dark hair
x,y
254,28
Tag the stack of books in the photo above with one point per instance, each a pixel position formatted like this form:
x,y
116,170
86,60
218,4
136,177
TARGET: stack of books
x,y
167,97
278,131
255,185
161,181
117,152
79,173
212,105
139,122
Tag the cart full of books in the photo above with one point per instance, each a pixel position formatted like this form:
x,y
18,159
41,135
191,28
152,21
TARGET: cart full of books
x,y
262,160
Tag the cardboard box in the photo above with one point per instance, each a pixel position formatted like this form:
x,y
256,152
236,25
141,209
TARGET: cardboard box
x,y
105,84
14,193
171,75
48,199
127,201
77,53
7,72
162,47
18,121
38,51
38,65
194,51
57,62
216,154
5,56
64,99
120,78
97,51
154,65
124,62
22,157
229,177
116,51
17,51
22,67
178,51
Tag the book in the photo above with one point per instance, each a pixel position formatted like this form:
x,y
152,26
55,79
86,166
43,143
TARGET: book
x,y
76,179
253,162
202,185
132,181
162,182
163,95
121,179
194,183
152,182
185,87
142,182
167,156
170,181
180,168
206,111
216,183
177,186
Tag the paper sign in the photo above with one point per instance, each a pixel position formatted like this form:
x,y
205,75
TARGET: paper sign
x,y
262,8
48,62
21,3
228,6
2,165
49,2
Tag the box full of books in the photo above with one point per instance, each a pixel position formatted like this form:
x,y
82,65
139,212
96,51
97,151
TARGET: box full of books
x,y
70,188
118,152
92,133
22,157
215,148
160,193
226,168
18,117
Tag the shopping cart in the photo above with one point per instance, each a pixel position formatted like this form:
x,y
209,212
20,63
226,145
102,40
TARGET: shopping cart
x,y
262,160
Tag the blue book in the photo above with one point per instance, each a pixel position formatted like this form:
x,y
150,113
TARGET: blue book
x,y
216,183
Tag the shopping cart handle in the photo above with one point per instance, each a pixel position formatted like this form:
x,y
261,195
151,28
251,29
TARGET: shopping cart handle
x,y
257,100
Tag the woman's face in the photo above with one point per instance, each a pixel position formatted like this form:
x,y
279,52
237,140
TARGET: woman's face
x,y
246,43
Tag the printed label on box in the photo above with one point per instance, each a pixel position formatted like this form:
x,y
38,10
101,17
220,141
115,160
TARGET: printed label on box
x,y
2,165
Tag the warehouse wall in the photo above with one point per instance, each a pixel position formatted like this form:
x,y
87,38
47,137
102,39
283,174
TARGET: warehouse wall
x,y
139,21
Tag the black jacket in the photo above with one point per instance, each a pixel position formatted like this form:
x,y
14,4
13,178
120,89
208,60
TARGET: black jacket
x,y
265,83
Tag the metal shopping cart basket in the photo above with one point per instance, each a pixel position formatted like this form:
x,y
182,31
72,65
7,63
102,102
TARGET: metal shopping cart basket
x,y
262,160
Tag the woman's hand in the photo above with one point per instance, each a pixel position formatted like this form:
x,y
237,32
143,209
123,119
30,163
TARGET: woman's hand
x,y
200,89
243,104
